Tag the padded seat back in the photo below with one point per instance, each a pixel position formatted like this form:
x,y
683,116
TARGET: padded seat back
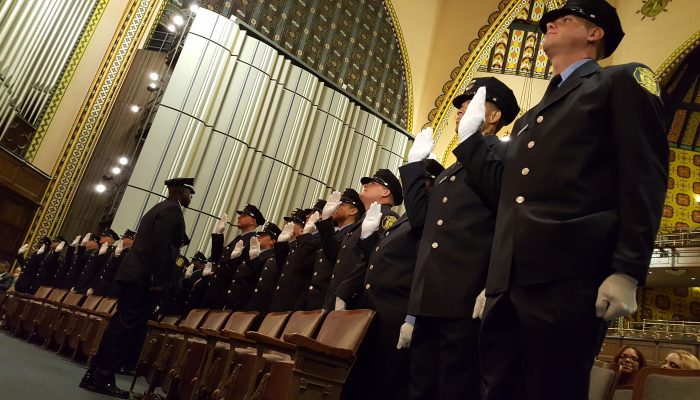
x,y
43,292
345,329
91,302
170,319
216,319
604,378
273,323
304,323
194,318
57,295
107,305
72,299
664,384
240,321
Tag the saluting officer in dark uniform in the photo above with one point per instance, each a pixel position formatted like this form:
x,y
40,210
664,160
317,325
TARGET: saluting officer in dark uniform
x,y
344,217
141,276
582,189
452,260
30,267
66,263
50,264
86,251
248,272
105,285
223,265
95,265
192,286
297,262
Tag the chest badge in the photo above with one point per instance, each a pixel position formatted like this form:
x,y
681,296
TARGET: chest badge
x,y
388,222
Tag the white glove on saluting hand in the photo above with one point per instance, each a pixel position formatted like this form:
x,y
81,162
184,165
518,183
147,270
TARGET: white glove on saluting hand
x,y
479,305
371,222
220,226
254,250
86,239
75,241
23,249
60,247
617,297
89,292
118,250
237,250
103,248
332,204
339,304
207,269
42,249
422,145
405,334
310,226
287,232
474,116
189,271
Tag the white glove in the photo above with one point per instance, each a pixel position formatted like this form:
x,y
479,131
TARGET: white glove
x,y
254,250
72,289
339,304
103,248
41,249
479,305
89,292
220,226
75,241
422,145
474,116
60,247
118,250
310,226
332,204
207,269
23,249
617,297
405,334
237,250
371,222
433,156
86,239
189,271
287,232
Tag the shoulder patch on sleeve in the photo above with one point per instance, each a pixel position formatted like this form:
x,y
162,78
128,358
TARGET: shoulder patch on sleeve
x,y
180,262
388,221
646,79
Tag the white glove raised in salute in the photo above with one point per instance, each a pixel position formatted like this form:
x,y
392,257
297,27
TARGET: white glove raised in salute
x,y
75,241
405,334
103,248
207,269
479,305
86,239
310,226
332,204
90,291
287,232
60,247
371,222
617,297
340,304
118,250
422,145
23,248
254,250
237,250
474,116
42,249
189,271
220,226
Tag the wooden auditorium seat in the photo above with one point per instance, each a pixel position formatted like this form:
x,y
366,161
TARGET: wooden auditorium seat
x,y
70,321
604,377
49,316
33,310
152,344
17,304
665,384
93,323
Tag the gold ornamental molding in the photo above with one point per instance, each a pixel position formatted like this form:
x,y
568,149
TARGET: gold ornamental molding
x,y
406,64
66,78
91,118
478,49
667,67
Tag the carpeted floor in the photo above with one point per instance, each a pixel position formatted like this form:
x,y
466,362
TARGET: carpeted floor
x,y
29,372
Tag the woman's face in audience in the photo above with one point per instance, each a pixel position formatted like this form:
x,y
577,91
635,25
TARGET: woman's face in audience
x,y
629,361
672,361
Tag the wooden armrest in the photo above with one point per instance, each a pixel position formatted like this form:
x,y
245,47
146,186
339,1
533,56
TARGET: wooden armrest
x,y
272,343
153,324
237,337
310,344
169,327
191,331
99,314
71,307
213,333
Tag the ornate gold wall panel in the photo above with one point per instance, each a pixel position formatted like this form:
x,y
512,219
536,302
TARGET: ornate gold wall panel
x,y
250,126
88,125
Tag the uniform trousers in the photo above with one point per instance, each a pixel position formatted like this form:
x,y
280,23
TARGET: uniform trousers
x,y
444,359
125,331
539,342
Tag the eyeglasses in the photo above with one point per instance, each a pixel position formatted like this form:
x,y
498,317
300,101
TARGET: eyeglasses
x,y
629,357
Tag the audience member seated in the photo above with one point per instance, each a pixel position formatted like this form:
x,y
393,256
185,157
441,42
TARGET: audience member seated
x,y
631,360
681,359
6,278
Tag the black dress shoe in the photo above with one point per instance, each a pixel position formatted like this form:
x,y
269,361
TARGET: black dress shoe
x,y
126,371
110,389
86,382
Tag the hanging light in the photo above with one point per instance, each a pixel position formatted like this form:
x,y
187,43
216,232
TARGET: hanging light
x,y
123,160
171,28
100,188
135,108
154,76
178,20
194,7
116,170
